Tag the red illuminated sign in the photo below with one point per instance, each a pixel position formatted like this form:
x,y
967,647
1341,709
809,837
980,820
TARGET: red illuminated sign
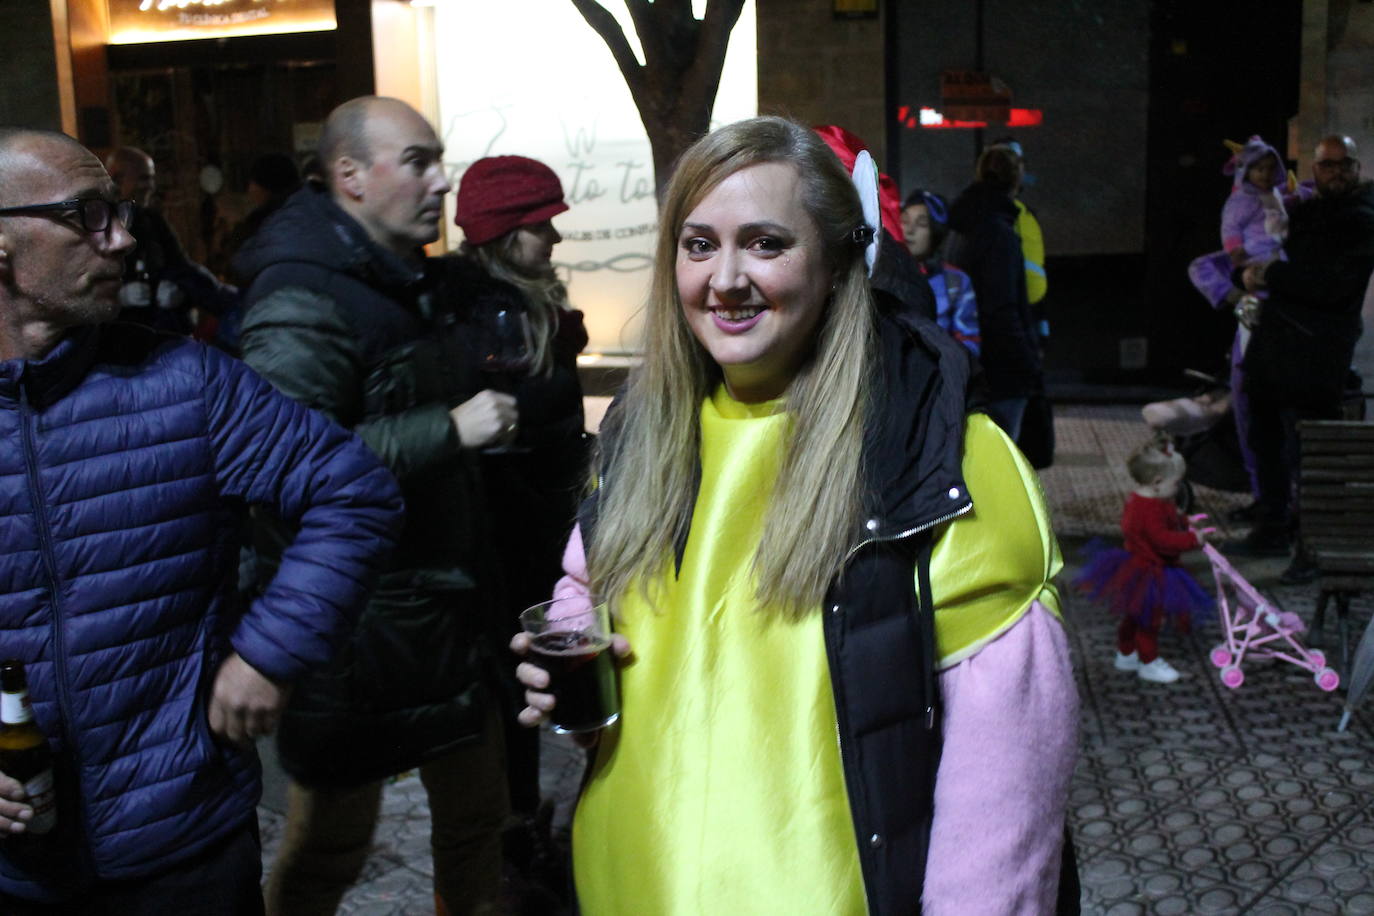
x,y
933,119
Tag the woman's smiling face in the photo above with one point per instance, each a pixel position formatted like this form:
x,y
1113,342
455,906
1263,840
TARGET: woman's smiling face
x,y
753,278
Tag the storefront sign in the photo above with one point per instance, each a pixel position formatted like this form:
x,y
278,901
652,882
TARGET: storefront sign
x,y
135,21
974,95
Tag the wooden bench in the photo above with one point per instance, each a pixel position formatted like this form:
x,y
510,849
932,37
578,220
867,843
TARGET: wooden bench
x,y
1336,515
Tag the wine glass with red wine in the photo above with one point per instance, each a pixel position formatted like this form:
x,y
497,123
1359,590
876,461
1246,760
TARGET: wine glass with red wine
x,y
505,357
507,352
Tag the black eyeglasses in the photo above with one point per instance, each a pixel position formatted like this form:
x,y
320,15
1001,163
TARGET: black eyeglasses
x,y
96,212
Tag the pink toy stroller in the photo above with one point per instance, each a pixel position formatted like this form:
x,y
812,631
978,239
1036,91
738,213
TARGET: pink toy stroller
x,y
1253,626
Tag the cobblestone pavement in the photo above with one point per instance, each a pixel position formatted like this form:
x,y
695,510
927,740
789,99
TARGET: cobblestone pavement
x,y
1188,798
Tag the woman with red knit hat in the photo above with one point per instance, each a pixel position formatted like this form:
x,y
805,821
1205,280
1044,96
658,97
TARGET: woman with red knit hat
x,y
507,286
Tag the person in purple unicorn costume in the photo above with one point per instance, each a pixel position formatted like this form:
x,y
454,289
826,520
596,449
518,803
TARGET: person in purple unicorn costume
x,y
1254,222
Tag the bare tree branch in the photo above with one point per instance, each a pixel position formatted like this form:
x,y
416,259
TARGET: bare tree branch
x,y
675,88
722,14
645,16
600,19
713,40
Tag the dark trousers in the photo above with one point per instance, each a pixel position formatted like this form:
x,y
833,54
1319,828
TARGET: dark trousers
x,y
225,880
329,833
1274,440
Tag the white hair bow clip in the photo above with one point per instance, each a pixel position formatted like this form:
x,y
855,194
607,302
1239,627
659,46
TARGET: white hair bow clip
x,y
865,177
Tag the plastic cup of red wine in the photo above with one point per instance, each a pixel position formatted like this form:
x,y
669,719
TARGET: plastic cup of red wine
x,y
570,638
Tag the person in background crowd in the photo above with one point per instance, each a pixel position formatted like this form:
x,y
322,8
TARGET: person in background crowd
x,y
162,286
1032,244
983,243
504,283
1298,361
925,221
1036,435
783,526
272,178
128,456
345,313
1254,223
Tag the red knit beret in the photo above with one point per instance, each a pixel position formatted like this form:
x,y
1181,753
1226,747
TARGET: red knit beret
x,y
501,193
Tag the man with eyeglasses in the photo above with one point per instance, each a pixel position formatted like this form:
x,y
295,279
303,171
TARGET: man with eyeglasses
x,y
1298,361
127,458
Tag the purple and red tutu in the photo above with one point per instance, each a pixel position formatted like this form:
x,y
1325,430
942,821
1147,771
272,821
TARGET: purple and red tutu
x,y
1148,592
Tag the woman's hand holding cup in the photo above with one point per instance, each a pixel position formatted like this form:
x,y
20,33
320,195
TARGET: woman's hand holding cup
x,y
562,664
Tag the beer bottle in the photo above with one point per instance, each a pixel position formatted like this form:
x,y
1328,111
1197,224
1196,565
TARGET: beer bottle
x,y
24,752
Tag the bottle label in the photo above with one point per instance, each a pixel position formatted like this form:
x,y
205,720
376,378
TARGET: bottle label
x,y
15,708
43,800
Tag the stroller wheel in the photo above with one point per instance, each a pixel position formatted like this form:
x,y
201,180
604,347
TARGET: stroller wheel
x,y
1317,657
1232,676
1221,656
1327,679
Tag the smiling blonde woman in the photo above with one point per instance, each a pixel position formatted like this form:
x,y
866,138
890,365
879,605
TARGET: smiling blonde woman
x,y
849,690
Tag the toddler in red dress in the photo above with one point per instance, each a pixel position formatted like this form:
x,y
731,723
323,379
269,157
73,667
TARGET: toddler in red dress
x,y
1143,582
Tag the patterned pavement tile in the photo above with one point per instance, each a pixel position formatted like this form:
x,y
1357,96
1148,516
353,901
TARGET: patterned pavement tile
x,y
1338,872
1120,884
1310,907
1247,829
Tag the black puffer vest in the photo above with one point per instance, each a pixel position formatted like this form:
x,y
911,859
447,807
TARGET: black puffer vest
x,y
879,631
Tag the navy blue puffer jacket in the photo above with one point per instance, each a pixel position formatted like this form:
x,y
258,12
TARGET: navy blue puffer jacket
x,y
126,461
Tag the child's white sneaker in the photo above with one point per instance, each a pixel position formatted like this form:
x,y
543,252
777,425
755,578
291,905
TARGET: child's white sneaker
x,y
1158,671
1127,662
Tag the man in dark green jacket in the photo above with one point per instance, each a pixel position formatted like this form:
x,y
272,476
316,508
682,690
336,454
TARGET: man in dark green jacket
x,y
345,314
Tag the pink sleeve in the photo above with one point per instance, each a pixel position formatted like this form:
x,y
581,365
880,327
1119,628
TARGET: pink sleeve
x,y
574,581
1011,739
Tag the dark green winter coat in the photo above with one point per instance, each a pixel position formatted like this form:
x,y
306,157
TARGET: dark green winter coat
x,y
348,328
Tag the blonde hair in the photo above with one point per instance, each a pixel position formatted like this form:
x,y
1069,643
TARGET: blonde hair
x,y
814,512
545,295
1151,459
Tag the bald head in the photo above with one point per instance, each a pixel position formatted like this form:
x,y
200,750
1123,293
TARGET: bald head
x,y
55,273
1335,168
133,171
345,134
351,128
384,166
20,149
1335,146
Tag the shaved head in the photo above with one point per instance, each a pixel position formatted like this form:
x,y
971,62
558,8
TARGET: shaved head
x,y
348,131
133,170
125,158
17,147
384,166
1335,146
345,134
54,273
